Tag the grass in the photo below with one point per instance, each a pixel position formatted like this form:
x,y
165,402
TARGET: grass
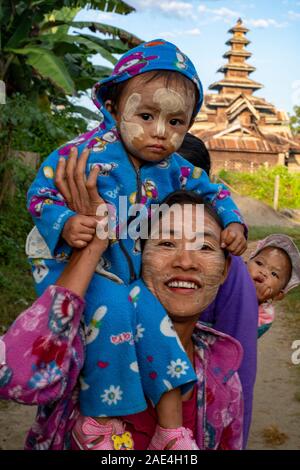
x,y
16,291
258,233
260,185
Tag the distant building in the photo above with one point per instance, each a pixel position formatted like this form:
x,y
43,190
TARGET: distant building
x,y
242,131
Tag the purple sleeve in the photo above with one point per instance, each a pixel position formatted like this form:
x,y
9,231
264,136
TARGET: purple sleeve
x,y
38,349
235,312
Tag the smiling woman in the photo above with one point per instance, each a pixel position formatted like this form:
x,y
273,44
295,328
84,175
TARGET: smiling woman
x,y
185,280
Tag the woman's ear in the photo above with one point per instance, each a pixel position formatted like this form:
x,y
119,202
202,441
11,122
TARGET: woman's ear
x,y
110,108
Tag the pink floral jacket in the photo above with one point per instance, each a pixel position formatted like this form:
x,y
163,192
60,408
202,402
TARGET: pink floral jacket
x,y
42,353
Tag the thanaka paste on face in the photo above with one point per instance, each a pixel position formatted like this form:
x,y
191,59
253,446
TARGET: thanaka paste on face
x,y
207,267
138,136
169,102
131,130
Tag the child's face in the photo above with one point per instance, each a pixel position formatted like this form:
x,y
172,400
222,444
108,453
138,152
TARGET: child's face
x,y
270,271
153,118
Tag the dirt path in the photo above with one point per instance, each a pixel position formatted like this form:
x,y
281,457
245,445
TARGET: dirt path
x,y
277,391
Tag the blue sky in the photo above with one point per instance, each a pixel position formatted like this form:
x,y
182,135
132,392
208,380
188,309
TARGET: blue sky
x,y
199,28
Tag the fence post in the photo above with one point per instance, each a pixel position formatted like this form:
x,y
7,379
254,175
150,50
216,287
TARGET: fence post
x,y
276,192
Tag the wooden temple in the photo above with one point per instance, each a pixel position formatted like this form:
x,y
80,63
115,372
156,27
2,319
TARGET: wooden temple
x,y
240,130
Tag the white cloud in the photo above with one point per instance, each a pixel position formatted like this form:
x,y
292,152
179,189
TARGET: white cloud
x,y
174,34
174,7
293,15
264,23
222,13
225,12
193,32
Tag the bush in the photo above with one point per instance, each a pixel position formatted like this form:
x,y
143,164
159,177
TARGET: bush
x,y
260,185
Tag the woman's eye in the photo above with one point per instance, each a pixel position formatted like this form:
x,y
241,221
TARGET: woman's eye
x,y
206,248
146,117
259,263
167,244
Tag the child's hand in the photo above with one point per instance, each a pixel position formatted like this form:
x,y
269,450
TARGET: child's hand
x,y
79,230
233,239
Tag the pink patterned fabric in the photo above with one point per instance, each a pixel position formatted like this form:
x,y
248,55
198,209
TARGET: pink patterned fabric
x,y
266,314
43,354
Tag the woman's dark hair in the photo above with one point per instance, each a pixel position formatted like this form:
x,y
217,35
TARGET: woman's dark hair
x,y
193,149
115,91
184,197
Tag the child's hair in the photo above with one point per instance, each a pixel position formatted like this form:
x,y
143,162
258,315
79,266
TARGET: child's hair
x,y
193,149
115,91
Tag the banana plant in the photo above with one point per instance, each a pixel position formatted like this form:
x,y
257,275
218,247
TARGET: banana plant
x,y
46,54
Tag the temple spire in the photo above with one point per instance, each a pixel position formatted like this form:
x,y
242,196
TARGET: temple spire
x,y
236,71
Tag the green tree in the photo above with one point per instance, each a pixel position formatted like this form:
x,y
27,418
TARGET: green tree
x,y
42,60
295,120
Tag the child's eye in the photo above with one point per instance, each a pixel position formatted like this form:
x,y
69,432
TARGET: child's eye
x,y
175,122
274,274
146,116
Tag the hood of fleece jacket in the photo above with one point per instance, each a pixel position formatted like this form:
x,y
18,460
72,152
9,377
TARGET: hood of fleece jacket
x,y
157,54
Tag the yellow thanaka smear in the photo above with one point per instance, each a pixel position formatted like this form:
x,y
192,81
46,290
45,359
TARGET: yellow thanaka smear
x,y
170,102
130,129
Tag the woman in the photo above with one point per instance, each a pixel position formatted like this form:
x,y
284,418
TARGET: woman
x,y
185,282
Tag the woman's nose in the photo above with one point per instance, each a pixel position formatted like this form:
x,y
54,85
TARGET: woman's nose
x,y
185,259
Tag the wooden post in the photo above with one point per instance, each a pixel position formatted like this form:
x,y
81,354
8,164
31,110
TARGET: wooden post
x,y
276,192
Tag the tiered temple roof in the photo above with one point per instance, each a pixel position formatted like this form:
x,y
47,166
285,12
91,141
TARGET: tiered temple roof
x,y
235,120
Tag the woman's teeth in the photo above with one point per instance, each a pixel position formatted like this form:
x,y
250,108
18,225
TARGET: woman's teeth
x,y
183,284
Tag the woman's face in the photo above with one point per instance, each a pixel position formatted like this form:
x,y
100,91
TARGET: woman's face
x,y
185,281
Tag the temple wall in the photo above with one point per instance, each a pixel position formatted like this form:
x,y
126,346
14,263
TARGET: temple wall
x,y
243,161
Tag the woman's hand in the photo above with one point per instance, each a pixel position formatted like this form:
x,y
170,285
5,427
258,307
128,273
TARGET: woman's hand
x,y
82,197
80,193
